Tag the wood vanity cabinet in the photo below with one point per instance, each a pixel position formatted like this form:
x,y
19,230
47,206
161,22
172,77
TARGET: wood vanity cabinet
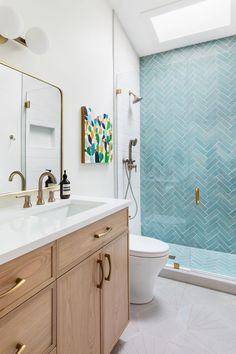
x,y
78,330
30,328
115,294
93,297
75,298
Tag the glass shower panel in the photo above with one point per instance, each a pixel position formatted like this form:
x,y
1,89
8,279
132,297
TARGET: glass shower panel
x,y
212,77
188,129
128,128
167,190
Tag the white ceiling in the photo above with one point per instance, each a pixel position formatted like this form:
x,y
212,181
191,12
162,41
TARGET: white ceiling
x,y
135,16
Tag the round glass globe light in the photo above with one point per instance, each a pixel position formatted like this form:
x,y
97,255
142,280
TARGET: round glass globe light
x,y
11,23
37,40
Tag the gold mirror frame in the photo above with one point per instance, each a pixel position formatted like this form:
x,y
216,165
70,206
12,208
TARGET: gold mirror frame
x,y
62,123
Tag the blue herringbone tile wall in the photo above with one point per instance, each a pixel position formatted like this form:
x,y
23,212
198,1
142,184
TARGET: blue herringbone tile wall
x,y
188,140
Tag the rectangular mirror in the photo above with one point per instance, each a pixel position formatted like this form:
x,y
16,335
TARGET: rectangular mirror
x,y
31,129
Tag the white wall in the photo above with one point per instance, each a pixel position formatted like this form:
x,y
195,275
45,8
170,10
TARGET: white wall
x,y
128,116
80,62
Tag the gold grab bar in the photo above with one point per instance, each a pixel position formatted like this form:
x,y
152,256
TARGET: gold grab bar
x,y
108,278
99,261
20,348
197,196
102,234
18,283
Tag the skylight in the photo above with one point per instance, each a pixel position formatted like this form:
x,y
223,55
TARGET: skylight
x,y
200,17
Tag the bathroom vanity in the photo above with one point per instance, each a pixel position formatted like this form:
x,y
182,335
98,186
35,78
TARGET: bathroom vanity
x,y
64,284
64,277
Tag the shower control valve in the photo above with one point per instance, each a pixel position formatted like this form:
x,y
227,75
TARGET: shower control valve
x,y
131,165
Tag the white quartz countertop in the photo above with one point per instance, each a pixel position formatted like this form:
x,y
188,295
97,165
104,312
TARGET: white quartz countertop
x,y
23,230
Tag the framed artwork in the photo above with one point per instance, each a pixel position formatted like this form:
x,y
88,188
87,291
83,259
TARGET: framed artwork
x,y
96,137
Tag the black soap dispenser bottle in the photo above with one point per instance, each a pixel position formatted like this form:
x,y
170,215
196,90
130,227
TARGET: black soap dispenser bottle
x,y
65,187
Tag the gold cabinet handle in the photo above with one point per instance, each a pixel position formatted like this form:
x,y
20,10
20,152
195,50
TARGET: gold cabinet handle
x,y
20,348
108,278
102,234
99,261
18,283
197,196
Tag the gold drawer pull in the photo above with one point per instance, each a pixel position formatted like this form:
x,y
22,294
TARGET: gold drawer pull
x,y
17,285
108,229
108,278
20,348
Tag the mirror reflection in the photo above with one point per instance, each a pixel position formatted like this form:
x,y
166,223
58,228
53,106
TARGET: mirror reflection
x,y
30,135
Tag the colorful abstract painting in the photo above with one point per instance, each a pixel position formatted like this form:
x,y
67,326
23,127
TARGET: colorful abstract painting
x,y
96,137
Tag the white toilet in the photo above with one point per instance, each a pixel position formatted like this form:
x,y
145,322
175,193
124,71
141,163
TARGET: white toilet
x,y
147,258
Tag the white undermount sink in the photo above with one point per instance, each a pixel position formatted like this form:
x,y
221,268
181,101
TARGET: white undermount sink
x,y
49,214
65,209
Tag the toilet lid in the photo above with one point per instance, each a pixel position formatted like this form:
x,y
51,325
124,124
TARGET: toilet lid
x,y
142,246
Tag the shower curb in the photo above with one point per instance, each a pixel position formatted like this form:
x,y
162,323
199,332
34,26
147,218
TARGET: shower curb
x,y
200,279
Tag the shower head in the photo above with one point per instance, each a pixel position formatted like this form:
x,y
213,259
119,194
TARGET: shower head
x,y
136,98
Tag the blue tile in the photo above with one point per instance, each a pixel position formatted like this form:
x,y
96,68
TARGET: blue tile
x,y
188,126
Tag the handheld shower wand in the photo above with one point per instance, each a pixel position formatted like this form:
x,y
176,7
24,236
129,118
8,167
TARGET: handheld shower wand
x,y
129,166
131,144
130,162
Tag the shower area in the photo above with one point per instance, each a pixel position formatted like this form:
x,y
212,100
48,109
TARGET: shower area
x,y
188,155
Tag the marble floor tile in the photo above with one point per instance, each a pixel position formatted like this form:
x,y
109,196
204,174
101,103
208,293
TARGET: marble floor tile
x,y
181,319
141,344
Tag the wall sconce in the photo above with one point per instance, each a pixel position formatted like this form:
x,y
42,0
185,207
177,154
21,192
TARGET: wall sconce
x,y
11,27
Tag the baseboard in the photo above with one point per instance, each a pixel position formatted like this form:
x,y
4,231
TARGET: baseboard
x,y
200,279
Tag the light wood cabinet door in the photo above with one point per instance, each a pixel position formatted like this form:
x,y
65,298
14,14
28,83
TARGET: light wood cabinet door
x,y
78,313
31,327
115,292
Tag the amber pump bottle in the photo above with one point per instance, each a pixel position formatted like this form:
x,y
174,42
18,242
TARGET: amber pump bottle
x,y
65,187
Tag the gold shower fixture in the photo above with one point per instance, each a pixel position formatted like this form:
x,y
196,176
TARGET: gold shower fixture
x,y
118,91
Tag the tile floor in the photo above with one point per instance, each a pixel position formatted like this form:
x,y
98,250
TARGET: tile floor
x,y
182,319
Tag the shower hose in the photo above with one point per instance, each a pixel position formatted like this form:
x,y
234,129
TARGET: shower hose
x,y
128,173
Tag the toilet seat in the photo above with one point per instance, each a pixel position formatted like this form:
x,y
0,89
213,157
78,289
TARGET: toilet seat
x,y
147,247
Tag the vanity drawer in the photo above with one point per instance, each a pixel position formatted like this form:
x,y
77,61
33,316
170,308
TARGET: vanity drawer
x,y
24,276
80,244
31,324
